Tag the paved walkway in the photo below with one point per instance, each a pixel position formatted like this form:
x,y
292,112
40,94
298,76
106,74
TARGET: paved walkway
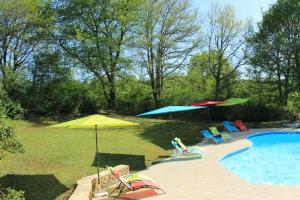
x,y
206,179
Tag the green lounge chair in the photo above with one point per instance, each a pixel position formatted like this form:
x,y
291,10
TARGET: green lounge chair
x,y
216,132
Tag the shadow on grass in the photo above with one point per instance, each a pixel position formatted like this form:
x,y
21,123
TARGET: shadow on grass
x,y
36,187
135,162
162,134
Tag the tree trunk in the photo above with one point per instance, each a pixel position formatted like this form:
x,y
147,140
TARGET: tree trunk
x,y
217,88
112,93
157,94
158,77
297,66
279,88
156,99
4,79
218,81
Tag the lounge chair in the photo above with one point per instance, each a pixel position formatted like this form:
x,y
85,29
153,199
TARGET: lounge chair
x,y
128,186
134,176
215,132
175,145
240,125
208,136
295,124
230,126
189,148
185,152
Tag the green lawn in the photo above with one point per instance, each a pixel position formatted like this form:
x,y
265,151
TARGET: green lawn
x,y
55,158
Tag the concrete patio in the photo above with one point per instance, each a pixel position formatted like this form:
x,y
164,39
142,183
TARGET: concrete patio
x,y
206,179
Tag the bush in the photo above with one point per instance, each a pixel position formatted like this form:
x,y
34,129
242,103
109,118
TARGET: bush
x,y
12,194
293,102
10,108
13,109
8,141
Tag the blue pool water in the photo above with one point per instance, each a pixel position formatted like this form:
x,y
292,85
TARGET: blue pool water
x,y
273,158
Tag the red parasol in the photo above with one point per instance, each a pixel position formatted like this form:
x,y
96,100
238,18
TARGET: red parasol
x,y
208,103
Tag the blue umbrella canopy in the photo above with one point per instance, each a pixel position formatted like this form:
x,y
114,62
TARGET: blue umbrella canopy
x,y
171,109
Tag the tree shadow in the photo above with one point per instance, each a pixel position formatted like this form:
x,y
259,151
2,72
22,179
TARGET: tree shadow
x,y
36,187
135,162
42,120
161,134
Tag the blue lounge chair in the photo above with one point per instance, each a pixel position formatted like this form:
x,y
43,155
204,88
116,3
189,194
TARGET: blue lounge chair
x,y
230,127
207,135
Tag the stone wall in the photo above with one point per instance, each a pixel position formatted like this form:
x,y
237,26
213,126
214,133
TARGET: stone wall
x,y
107,179
87,185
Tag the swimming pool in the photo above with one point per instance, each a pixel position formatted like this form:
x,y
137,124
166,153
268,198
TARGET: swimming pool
x,y
273,158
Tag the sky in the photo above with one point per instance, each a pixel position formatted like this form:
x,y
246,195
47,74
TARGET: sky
x,y
244,8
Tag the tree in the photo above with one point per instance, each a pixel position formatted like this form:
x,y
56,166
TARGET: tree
x,y
225,43
52,88
95,33
275,48
201,74
21,24
167,34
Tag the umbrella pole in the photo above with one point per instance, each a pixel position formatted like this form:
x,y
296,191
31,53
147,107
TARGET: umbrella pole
x,y
97,152
208,113
170,117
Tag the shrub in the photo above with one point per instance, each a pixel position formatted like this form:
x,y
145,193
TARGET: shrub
x,y
11,194
8,140
13,109
10,108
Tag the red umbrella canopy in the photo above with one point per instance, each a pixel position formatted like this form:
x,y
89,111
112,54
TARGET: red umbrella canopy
x,y
208,103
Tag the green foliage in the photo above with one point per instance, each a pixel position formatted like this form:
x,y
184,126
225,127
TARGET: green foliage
x,y
275,48
167,33
225,45
132,56
10,108
95,34
20,33
204,79
293,102
181,90
58,96
8,140
12,194
134,96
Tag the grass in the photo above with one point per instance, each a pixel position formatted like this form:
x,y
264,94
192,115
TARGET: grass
x,y
55,159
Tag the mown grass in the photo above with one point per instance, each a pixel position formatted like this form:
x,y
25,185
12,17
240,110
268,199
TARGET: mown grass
x,y
55,158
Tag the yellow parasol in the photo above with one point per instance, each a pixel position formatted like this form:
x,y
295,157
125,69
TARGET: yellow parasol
x,y
94,121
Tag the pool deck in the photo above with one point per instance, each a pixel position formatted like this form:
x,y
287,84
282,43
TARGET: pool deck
x,y
206,179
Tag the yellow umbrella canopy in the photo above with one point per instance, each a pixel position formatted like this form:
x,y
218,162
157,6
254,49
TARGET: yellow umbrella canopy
x,y
94,121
